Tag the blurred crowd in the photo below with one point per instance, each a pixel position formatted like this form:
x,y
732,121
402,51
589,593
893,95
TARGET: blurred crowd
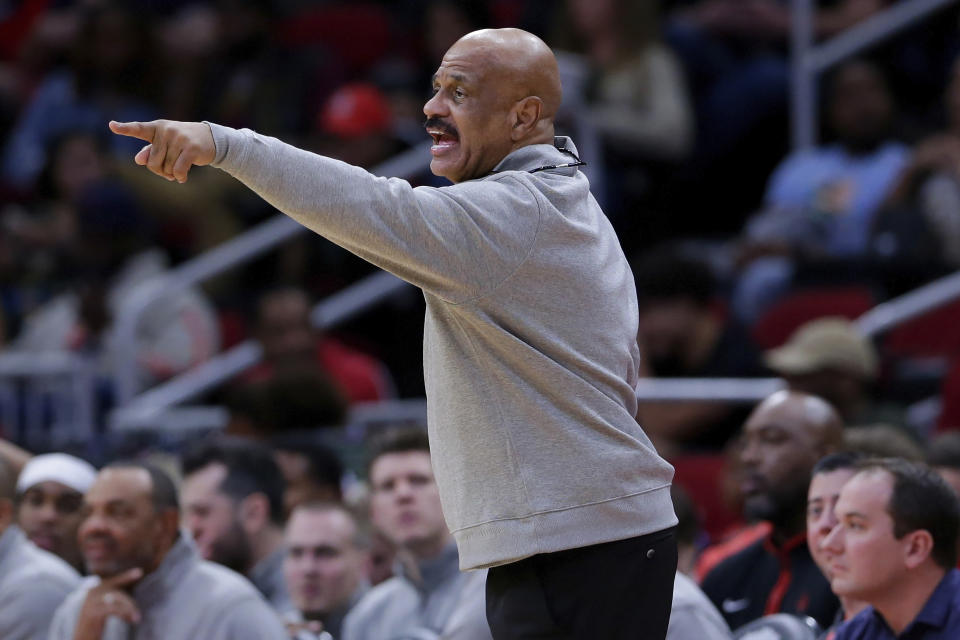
x,y
751,261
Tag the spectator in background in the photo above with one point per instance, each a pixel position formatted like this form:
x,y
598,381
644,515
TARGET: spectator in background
x,y
312,472
356,126
111,71
682,335
830,358
895,547
782,440
50,492
829,475
630,90
943,454
107,254
429,597
929,186
692,614
883,441
821,203
149,579
327,565
233,507
290,343
33,582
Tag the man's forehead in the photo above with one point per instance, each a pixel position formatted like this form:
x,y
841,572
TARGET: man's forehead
x,y
314,528
866,492
120,484
829,483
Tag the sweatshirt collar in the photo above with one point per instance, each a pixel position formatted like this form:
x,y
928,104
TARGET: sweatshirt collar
x,y
434,571
535,156
154,587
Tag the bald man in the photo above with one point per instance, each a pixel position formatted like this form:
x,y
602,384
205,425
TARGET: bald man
x,y
783,439
530,354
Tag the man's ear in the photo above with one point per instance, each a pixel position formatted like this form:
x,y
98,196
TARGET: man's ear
x,y
526,115
254,513
917,547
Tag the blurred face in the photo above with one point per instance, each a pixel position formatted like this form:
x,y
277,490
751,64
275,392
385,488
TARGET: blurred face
x,y
323,566
49,514
468,116
821,519
77,164
844,390
211,517
861,106
405,503
863,556
664,331
780,448
120,528
285,329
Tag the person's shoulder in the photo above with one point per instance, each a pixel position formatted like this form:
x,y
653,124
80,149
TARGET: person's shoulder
x,y
743,559
856,628
686,593
44,568
220,585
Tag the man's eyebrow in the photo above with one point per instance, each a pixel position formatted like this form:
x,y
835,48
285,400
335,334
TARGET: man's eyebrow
x,y
457,77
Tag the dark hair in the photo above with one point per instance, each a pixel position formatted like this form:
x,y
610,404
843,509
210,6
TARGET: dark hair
x,y
837,461
8,480
163,491
666,274
324,467
944,451
921,499
250,469
398,440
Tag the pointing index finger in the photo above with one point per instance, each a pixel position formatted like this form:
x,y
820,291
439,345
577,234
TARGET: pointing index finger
x,y
141,130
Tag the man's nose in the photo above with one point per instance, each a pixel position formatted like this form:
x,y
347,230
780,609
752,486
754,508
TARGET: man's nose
x,y
834,540
435,107
48,512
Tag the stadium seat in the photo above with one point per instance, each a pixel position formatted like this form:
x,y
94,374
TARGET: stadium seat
x,y
932,335
780,321
701,474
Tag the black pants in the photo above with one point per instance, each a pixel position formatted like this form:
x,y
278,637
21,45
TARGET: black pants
x,y
608,591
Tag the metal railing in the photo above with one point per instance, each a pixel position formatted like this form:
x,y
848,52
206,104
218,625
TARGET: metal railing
x,y
809,60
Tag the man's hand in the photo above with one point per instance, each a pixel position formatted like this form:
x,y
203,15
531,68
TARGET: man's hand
x,y
109,598
174,146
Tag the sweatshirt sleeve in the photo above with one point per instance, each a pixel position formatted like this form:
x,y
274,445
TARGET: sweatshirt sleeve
x,y
458,242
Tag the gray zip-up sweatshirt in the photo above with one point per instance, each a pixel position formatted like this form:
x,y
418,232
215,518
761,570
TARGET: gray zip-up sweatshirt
x,y
530,355
186,598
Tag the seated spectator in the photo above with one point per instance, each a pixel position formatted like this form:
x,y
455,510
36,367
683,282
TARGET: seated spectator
x,y
821,203
33,582
290,342
895,547
429,597
327,565
783,439
883,441
682,335
692,614
943,454
312,472
233,507
829,475
929,185
149,581
49,496
831,359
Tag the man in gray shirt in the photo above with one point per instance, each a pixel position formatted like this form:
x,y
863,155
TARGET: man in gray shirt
x,y
33,582
233,508
149,581
530,352
429,597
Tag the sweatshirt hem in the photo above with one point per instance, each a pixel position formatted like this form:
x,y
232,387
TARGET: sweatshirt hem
x,y
504,541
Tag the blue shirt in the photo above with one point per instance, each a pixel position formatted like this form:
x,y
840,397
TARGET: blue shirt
x,y
838,192
938,620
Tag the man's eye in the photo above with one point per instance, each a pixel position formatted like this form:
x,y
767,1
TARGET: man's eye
x,y
458,93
